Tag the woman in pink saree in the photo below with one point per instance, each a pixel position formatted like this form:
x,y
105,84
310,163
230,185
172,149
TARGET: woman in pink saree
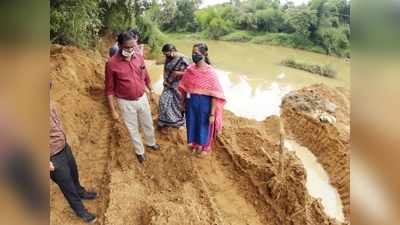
x,y
203,102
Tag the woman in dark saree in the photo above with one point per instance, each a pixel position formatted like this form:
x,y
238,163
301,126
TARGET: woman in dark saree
x,y
170,100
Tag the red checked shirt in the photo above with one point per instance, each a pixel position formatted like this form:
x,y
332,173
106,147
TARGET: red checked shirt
x,y
126,79
57,138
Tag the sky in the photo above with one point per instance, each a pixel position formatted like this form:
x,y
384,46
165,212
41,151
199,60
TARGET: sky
x,y
213,2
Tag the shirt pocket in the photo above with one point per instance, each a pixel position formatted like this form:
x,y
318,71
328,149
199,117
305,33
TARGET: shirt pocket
x,y
123,75
142,69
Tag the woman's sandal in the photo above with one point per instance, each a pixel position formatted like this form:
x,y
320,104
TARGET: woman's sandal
x,y
203,154
199,150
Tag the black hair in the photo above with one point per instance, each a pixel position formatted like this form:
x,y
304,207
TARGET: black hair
x,y
168,48
134,32
124,37
203,48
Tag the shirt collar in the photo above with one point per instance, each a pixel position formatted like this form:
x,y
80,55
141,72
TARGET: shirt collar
x,y
121,58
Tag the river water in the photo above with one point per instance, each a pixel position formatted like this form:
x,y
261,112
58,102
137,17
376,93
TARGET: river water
x,y
254,83
253,80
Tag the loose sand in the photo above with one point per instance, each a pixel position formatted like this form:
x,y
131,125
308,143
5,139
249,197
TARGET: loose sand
x,y
245,181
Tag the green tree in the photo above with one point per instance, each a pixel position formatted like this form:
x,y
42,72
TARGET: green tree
x,y
178,15
74,22
218,28
204,17
185,16
269,20
150,34
246,21
167,15
300,20
119,15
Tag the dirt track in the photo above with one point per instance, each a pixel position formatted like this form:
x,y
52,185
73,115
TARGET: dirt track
x,y
240,183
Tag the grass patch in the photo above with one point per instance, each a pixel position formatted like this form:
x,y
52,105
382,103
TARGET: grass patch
x,y
237,36
276,39
323,70
287,40
190,36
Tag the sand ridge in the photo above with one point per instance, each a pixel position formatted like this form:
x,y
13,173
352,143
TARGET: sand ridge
x,y
244,181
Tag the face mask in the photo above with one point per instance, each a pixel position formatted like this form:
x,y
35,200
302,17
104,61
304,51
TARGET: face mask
x,y
127,54
197,58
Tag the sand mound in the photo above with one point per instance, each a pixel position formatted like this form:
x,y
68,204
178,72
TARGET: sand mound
x,y
245,181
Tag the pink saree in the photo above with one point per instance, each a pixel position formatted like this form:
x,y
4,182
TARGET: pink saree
x,y
204,81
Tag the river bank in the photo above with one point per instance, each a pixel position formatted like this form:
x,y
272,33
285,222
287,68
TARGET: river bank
x,y
274,39
240,183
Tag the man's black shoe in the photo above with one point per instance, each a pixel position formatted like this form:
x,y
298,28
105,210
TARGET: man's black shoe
x,y
141,158
88,217
87,195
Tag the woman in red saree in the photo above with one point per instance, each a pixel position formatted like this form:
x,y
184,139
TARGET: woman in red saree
x,y
203,102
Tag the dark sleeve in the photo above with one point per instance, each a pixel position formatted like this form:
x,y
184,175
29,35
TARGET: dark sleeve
x,y
114,49
184,63
145,73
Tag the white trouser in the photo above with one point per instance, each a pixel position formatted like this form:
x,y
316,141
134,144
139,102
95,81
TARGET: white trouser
x,y
135,114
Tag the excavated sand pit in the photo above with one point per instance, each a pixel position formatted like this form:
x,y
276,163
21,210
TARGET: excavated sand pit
x,y
302,112
245,181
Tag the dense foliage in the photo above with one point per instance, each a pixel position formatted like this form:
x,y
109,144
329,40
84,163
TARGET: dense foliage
x,y
81,22
75,21
321,25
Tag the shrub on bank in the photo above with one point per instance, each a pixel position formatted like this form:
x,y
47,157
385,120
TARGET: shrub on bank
x,y
237,36
288,40
190,36
74,22
323,70
218,28
150,34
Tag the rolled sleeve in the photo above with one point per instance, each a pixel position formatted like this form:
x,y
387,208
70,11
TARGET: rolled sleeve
x,y
109,80
146,75
147,80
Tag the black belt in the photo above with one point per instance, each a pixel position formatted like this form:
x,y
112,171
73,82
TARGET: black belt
x,y
135,99
59,151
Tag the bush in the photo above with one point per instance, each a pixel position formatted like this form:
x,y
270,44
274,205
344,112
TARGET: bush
x,y
115,19
218,28
325,70
150,34
317,49
238,36
74,22
334,41
328,71
187,36
268,38
288,40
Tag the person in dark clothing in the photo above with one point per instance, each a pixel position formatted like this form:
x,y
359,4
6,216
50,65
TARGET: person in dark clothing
x,y
64,171
138,48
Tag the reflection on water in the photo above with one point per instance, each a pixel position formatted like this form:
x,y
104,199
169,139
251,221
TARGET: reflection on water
x,y
252,78
318,184
244,100
257,103
261,63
